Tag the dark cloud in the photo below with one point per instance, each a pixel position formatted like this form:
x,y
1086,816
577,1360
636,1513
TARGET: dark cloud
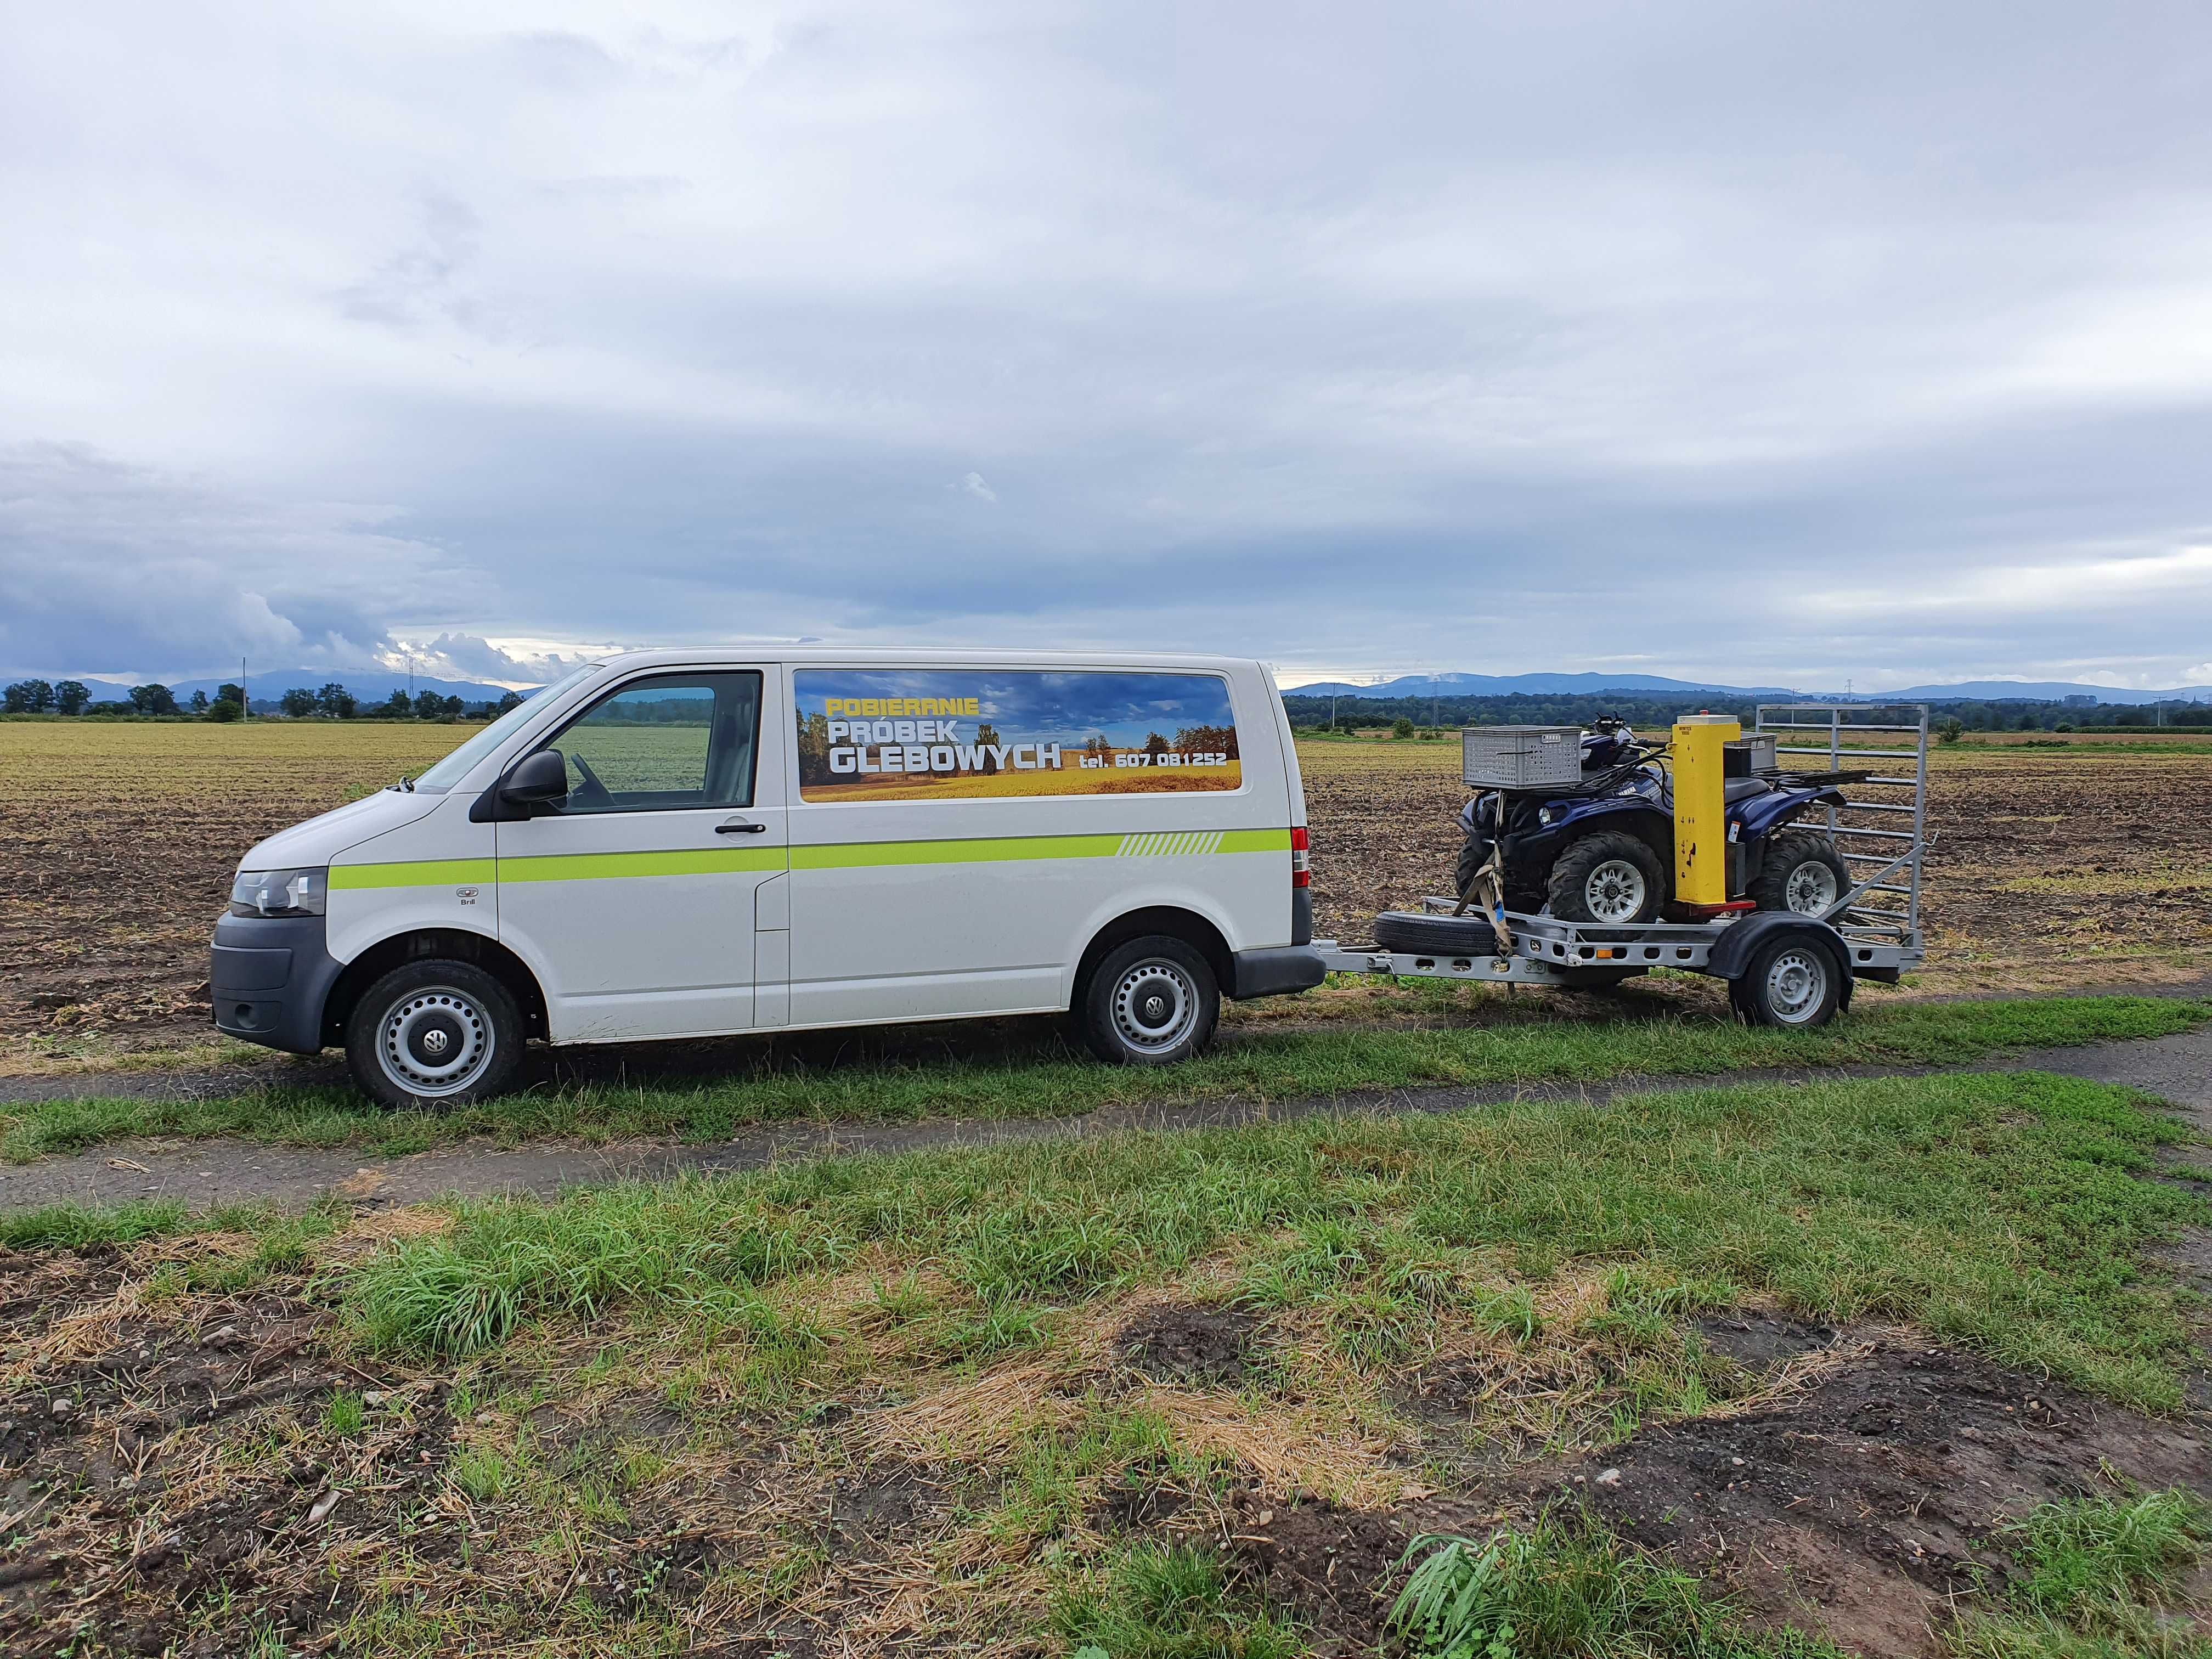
x,y
1723,339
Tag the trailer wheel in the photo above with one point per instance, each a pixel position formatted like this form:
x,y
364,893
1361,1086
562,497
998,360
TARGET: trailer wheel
x,y
1607,878
1790,982
1151,1002
435,1034
1803,872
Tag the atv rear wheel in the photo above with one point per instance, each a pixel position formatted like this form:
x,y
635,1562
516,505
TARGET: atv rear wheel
x,y
1803,872
1609,878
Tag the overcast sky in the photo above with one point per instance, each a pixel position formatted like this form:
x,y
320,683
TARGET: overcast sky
x,y
1774,345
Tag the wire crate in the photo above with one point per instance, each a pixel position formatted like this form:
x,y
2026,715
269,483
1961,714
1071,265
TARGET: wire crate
x,y
1521,756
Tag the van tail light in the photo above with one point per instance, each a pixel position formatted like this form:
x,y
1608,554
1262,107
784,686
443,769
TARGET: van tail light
x,y
1301,858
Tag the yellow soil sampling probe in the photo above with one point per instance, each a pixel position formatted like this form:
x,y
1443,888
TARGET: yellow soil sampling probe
x,y
1701,836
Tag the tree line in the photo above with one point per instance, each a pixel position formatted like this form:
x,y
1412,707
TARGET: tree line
x,y
1972,714
333,701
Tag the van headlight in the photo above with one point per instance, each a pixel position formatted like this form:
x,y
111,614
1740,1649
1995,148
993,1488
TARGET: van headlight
x,y
279,892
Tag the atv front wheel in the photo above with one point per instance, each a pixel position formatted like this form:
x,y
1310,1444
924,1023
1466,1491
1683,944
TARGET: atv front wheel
x,y
1608,878
1803,872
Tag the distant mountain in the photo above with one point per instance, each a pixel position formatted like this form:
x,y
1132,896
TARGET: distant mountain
x,y
1506,686
369,686
2055,690
1503,685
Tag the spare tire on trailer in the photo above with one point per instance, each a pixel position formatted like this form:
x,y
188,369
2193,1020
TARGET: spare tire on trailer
x,y
1435,936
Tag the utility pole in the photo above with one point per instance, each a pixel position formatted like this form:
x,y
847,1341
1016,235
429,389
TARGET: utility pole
x,y
245,702
1435,702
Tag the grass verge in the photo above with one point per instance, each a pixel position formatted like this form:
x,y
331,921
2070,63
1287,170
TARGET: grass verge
x,y
2000,1207
2100,1578
1036,1076
1152,1395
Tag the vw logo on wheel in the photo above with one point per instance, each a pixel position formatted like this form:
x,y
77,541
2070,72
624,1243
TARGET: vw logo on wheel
x,y
434,1043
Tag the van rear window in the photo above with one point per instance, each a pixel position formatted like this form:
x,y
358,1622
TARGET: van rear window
x,y
962,734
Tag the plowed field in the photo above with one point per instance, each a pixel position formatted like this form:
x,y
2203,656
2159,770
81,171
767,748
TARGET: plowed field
x,y
2050,868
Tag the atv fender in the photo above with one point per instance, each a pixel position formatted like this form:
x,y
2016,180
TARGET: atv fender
x,y
1634,813
1741,941
1762,815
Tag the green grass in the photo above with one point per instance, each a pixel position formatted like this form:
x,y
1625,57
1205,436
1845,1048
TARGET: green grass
x,y
2096,1576
2006,1209
1034,1077
280,1237
1159,1602
1565,1588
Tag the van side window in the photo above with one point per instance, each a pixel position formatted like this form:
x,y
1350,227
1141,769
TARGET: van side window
x,y
664,743
978,733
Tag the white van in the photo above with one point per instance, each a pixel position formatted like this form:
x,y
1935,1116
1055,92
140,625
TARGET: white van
x,y
698,843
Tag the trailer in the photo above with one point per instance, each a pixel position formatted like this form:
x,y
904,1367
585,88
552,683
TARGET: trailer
x,y
1782,968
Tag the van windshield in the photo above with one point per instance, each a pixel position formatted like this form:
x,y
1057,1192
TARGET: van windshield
x,y
456,766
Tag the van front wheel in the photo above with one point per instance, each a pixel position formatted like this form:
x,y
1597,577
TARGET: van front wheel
x,y
435,1034
1151,1002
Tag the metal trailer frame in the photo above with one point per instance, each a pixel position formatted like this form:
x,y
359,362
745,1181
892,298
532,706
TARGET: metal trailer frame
x,y
1871,940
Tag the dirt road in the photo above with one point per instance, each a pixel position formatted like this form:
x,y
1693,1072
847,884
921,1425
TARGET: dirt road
x,y
202,1172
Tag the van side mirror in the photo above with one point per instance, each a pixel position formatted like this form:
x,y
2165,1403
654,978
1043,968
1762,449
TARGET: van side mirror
x,y
538,780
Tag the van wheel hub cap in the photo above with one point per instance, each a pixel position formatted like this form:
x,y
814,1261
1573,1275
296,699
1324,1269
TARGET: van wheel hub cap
x,y
435,1042
1155,1006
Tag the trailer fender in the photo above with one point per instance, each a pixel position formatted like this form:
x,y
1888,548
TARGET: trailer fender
x,y
1735,948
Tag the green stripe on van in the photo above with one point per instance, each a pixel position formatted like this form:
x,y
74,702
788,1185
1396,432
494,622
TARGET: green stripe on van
x,y
616,867
1009,849
849,855
432,872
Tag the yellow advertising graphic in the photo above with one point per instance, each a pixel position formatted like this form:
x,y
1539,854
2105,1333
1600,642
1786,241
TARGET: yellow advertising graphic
x,y
959,734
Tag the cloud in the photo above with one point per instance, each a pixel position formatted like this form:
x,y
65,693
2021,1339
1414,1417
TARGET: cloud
x,y
466,657
1741,341
110,568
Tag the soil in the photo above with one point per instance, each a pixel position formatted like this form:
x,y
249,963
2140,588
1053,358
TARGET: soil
x,y
1863,1506
1860,1507
102,1467
104,917
110,880
1173,1344
174,1481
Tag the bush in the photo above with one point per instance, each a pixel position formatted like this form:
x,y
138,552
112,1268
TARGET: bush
x,y
223,709
1950,731
1401,727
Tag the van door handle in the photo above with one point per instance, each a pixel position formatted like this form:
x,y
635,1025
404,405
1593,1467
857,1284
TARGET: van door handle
x,y
740,827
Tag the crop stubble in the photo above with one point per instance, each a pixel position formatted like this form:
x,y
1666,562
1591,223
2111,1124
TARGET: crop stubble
x,y
120,840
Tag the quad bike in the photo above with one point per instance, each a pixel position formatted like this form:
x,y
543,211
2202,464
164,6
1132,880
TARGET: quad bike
x,y
1604,850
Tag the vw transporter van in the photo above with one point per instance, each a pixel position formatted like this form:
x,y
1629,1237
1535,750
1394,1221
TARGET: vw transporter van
x,y
703,843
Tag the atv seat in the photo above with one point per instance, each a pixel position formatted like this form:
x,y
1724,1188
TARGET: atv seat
x,y
1736,789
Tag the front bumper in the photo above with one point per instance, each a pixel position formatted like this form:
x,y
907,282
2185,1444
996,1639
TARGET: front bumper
x,y
271,978
1276,972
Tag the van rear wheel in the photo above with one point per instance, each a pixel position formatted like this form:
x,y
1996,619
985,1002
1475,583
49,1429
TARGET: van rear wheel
x,y
1151,1002
435,1034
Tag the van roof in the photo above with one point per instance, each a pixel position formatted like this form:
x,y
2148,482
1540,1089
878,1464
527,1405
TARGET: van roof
x,y
848,656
